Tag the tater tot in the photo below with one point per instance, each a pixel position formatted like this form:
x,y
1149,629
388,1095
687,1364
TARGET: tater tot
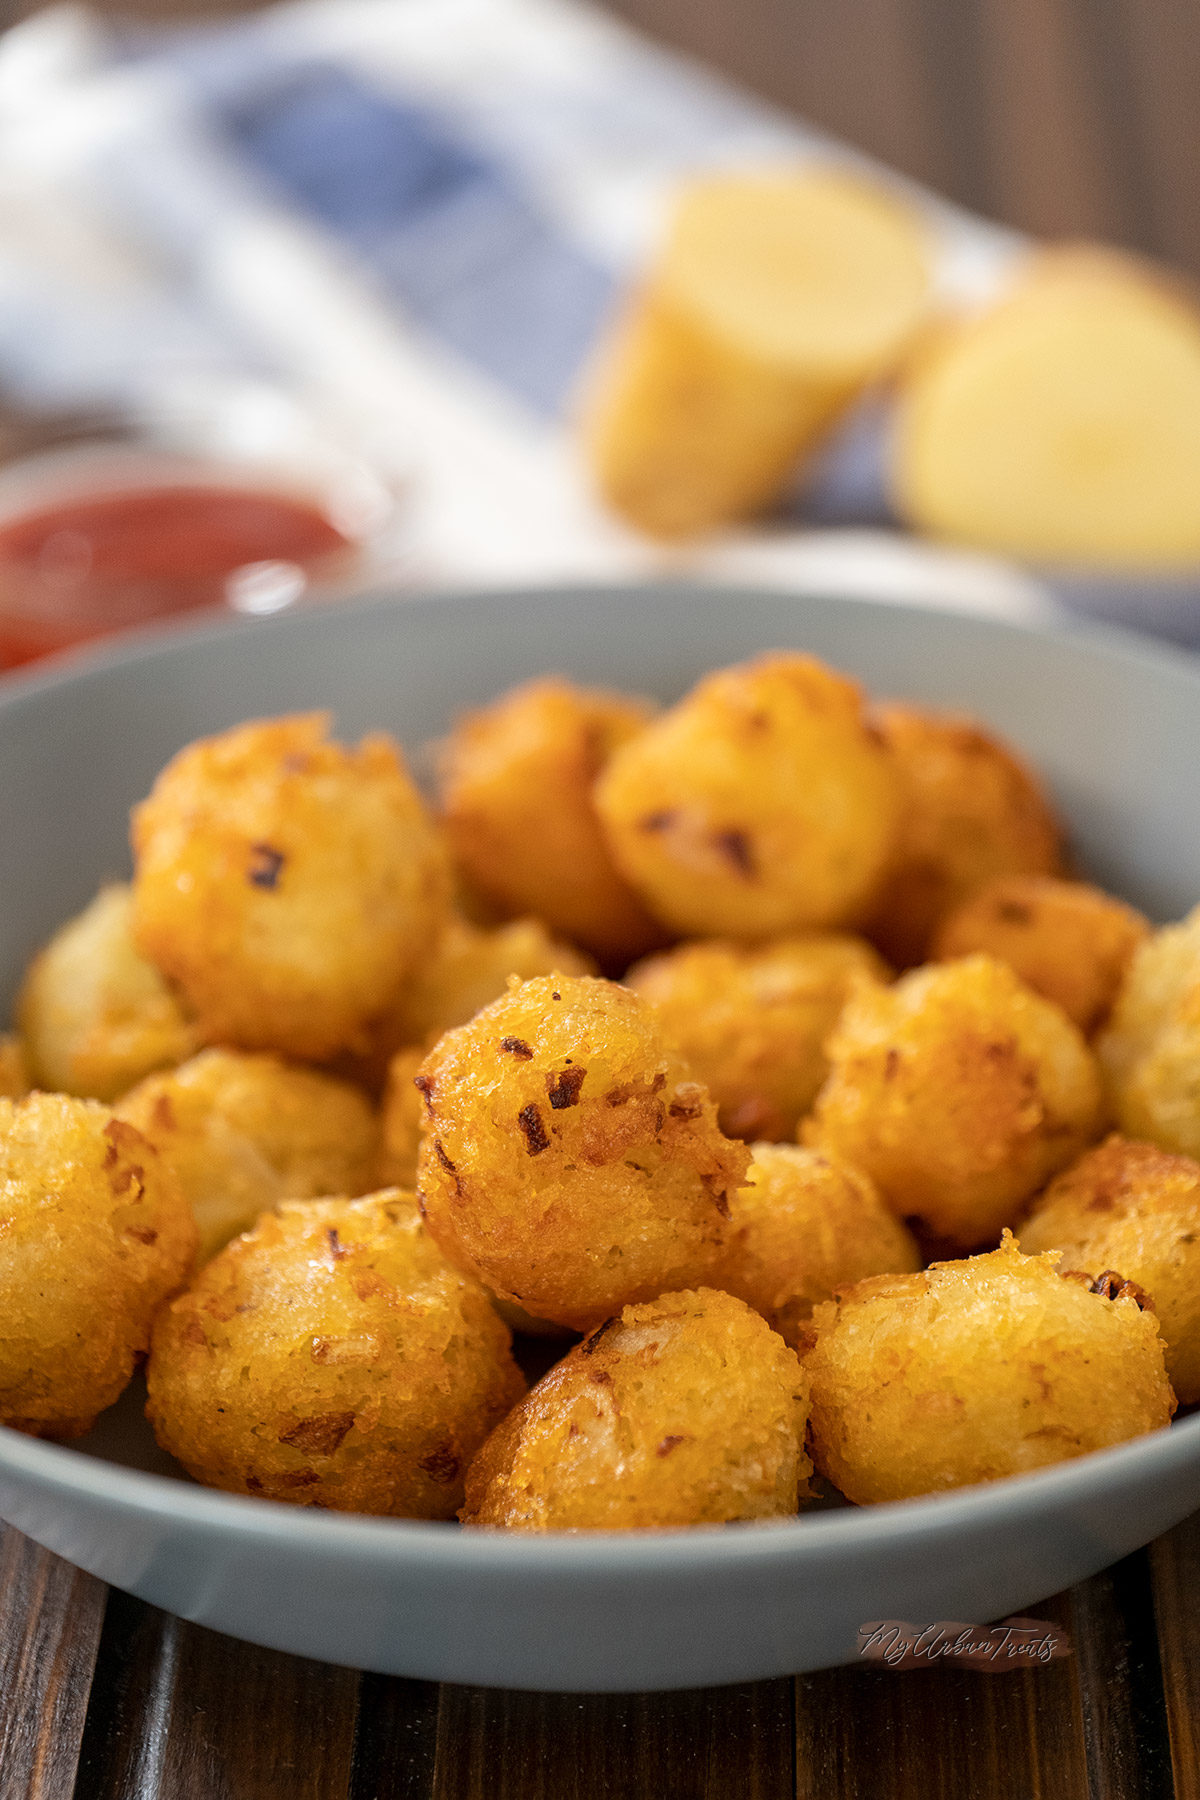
x,y
94,1014
1134,1208
687,1410
400,1119
568,1157
94,1236
975,1370
752,1021
516,783
803,1226
14,1067
1069,942
761,804
332,1357
1150,1050
960,1092
971,810
469,966
287,884
243,1132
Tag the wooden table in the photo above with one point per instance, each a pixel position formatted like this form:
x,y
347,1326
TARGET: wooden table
x,y
103,1698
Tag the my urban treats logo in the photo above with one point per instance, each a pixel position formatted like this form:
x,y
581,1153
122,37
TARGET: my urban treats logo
x,y
1012,1644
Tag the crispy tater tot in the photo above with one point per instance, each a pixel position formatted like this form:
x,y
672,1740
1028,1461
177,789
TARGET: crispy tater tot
x,y
94,1236
400,1119
803,1226
959,1091
516,783
14,1067
243,1132
761,804
287,884
972,810
1069,942
752,1020
1135,1208
568,1157
1150,1050
332,1357
687,1410
94,1014
469,966
975,1370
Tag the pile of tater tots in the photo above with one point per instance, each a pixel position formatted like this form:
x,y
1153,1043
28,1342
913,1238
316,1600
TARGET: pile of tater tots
x,y
760,1063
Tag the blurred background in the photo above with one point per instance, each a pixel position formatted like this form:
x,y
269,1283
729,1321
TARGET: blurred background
x,y
349,262
1060,117
1071,118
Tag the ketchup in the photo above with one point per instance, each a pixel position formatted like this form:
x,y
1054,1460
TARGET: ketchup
x,y
83,567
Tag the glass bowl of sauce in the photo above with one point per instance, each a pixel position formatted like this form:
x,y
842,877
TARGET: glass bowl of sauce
x,y
101,535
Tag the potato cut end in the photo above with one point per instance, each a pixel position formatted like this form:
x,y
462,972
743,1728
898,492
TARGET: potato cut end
x,y
813,272
1064,424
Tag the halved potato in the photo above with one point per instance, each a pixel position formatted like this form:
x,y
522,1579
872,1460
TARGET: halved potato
x,y
1062,424
778,296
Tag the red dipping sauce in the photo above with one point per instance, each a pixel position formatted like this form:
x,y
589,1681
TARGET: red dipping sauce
x,y
80,564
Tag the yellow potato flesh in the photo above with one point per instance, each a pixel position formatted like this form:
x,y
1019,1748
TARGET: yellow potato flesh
x,y
1062,425
777,298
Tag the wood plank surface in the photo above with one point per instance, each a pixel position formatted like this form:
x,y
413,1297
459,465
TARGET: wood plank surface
x,y
705,1744
50,1618
151,1708
944,1733
180,1713
1175,1569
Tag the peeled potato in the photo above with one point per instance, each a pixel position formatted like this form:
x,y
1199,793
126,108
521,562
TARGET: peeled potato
x,y
777,297
1062,424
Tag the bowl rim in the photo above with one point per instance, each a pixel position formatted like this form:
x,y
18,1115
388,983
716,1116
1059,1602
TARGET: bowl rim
x,y
444,1548
159,637
447,1547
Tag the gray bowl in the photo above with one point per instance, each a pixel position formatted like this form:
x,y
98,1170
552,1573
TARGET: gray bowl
x,y
1113,723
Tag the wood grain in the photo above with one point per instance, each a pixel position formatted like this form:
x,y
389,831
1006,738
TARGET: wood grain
x,y
50,1618
944,1733
1121,1687
1175,1569
395,1746
181,1713
706,1744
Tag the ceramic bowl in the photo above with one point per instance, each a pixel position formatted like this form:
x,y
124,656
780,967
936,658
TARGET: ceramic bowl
x,y
1114,725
